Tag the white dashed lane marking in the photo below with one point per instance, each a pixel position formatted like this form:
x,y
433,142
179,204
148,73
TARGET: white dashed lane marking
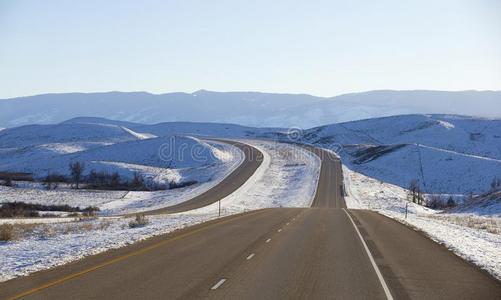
x,y
218,284
250,256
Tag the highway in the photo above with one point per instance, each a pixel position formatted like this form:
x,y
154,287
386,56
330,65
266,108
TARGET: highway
x,y
252,160
322,252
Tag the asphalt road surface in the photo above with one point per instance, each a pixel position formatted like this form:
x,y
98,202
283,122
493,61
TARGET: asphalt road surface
x,y
323,252
252,160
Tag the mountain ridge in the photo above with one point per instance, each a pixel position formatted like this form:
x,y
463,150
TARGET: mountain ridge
x,y
257,109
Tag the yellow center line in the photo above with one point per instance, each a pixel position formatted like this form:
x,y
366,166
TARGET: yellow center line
x,y
120,258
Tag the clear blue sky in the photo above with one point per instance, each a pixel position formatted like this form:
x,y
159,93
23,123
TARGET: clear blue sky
x,y
318,47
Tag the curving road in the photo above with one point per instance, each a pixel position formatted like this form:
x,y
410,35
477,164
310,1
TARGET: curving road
x,y
323,252
252,160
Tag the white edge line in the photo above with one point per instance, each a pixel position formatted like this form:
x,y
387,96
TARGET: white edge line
x,y
218,284
250,256
378,272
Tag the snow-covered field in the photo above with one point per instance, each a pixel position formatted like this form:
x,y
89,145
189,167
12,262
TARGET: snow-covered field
x,y
476,237
285,168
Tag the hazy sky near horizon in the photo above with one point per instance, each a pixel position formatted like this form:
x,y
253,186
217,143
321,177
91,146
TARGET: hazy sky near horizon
x,y
323,48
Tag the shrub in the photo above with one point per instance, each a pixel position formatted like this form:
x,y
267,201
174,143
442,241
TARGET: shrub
x,y
451,202
139,221
8,182
6,232
436,202
22,209
174,185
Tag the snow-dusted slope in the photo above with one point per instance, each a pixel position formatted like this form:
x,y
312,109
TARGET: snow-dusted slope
x,y
205,129
245,108
475,136
31,135
445,153
438,171
173,152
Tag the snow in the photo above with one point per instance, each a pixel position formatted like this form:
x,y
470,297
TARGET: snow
x,y
446,154
475,239
141,136
31,135
438,171
287,177
152,155
122,202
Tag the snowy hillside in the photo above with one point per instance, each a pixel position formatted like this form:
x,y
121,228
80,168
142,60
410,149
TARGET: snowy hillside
x,y
244,108
204,129
31,135
166,152
446,154
109,146
438,171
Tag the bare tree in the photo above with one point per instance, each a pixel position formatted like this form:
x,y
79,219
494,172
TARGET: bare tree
x,y
76,169
138,181
414,190
115,180
495,184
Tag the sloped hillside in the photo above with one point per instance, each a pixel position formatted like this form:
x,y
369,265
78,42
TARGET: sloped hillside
x,y
446,154
475,136
173,152
437,171
32,135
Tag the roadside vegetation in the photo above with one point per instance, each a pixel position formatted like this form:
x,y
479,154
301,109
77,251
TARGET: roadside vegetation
x,y
6,232
31,210
139,221
96,180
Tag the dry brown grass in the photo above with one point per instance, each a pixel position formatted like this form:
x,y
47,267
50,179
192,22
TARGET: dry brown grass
x,y
139,221
6,232
491,225
103,225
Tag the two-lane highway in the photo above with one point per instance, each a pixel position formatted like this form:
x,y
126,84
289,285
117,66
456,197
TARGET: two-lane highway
x,y
252,160
323,252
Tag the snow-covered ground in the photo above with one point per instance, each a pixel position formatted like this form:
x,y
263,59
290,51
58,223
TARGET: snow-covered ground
x,y
287,177
122,202
474,237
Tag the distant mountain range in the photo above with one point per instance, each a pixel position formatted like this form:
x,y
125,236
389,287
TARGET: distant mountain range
x,y
245,108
